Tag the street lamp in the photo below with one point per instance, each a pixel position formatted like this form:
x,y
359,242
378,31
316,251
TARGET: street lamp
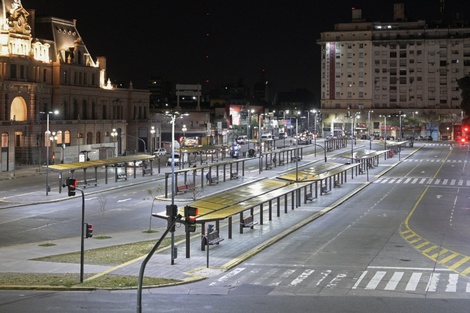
x,y
152,131
184,129
173,116
114,134
368,121
48,142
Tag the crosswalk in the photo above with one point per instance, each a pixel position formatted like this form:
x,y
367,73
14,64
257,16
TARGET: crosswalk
x,y
424,181
381,279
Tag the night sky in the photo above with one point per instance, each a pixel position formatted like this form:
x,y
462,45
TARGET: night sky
x,y
218,42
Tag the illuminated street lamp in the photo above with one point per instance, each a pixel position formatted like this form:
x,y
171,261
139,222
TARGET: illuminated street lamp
x,y
152,132
114,135
184,129
173,116
48,142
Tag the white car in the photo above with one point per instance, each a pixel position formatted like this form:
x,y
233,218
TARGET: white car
x,y
160,152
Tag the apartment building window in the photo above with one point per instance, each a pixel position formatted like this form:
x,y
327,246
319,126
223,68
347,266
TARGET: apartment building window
x,y
361,46
393,80
402,54
393,54
361,94
349,94
361,64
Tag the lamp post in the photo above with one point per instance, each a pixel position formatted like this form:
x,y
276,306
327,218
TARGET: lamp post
x,y
314,130
184,129
48,133
173,116
297,147
368,121
152,132
114,134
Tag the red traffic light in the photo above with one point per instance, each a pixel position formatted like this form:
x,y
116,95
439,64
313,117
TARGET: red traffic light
x,y
190,214
71,185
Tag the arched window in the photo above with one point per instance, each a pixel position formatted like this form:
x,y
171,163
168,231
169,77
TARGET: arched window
x,y
59,137
89,138
98,137
67,137
18,110
4,140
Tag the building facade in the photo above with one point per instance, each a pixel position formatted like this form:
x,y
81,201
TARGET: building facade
x,y
55,97
371,71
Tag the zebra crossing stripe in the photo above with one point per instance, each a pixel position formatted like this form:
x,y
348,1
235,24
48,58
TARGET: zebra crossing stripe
x,y
429,181
432,283
281,277
374,282
227,276
422,180
452,283
393,282
452,182
413,282
468,287
359,280
444,182
301,277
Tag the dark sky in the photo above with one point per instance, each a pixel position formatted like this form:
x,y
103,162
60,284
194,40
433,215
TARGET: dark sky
x,y
223,41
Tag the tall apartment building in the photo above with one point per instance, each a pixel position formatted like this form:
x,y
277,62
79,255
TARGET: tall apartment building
x,y
45,67
380,69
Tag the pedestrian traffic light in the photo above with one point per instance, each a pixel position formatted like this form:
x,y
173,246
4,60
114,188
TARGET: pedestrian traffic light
x,y
71,186
88,230
171,212
190,214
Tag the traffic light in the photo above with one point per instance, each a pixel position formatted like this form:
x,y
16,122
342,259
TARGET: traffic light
x,y
171,212
463,140
88,230
190,214
71,186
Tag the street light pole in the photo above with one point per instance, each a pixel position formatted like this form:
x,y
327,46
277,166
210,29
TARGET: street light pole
x,y
114,134
297,148
48,141
152,132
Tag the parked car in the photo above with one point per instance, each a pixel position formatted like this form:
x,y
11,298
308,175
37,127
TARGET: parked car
x,y
241,140
160,152
137,163
177,159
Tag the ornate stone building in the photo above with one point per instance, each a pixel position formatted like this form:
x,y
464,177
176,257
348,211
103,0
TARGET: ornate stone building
x,y
55,97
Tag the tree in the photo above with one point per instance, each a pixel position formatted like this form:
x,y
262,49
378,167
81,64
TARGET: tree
x,y
464,85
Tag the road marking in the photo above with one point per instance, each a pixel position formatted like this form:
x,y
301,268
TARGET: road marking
x,y
227,276
432,283
393,282
284,275
301,277
413,282
452,283
124,200
374,282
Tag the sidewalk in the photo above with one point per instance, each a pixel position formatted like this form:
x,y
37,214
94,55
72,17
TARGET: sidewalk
x,y
221,257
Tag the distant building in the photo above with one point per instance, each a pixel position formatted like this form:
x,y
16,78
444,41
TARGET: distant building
x,y
371,70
